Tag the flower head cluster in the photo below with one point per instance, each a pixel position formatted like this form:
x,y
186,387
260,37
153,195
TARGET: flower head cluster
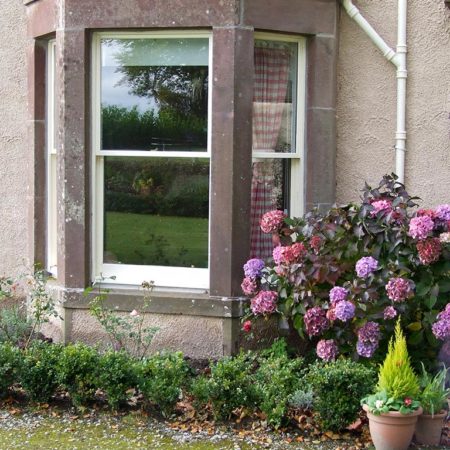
x,y
247,326
429,250
368,338
444,238
316,321
315,243
327,350
265,302
389,313
441,328
420,227
249,286
399,289
272,221
365,266
427,212
345,310
289,254
384,206
443,212
337,294
253,268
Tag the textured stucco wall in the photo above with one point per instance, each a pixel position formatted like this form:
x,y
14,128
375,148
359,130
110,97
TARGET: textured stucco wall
x,y
196,337
367,101
13,138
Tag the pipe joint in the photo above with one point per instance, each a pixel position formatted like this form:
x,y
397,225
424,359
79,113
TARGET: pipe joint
x,y
402,73
400,135
351,9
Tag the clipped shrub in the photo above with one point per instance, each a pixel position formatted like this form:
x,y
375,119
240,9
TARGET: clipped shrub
x,y
117,376
39,374
10,358
162,378
276,379
338,387
78,371
229,386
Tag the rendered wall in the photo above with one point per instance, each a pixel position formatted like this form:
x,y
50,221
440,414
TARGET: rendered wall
x,y
14,182
366,106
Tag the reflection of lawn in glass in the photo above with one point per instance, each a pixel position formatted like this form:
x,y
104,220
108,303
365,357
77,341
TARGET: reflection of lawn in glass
x,y
156,240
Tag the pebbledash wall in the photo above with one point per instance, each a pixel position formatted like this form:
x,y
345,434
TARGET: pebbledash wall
x,y
350,135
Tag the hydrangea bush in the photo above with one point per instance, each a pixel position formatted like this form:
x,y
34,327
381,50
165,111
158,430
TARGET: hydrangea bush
x,y
341,278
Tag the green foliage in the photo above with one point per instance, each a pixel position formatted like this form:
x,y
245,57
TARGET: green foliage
x,y
380,403
396,376
433,393
117,377
10,357
162,378
276,379
15,327
38,371
338,387
78,371
302,399
229,386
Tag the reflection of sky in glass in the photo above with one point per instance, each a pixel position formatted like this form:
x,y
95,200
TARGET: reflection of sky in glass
x,y
114,93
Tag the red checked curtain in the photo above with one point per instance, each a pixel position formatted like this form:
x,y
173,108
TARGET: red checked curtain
x,y
270,86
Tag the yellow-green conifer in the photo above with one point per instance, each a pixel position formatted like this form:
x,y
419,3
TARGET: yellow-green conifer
x,y
396,375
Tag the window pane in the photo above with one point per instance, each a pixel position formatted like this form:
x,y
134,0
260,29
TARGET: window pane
x,y
156,211
154,94
275,91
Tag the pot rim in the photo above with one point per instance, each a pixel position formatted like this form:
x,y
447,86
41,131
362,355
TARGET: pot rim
x,y
439,415
417,412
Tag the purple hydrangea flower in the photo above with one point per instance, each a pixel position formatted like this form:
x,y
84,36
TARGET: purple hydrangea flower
x,y
445,314
365,266
389,313
337,294
253,268
345,310
399,289
420,227
265,302
366,349
443,212
369,333
327,350
441,328
316,321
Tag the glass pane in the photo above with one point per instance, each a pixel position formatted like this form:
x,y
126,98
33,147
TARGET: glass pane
x,y
156,211
270,190
154,94
274,97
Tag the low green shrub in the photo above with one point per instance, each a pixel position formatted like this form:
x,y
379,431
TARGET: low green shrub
x,y
78,370
162,378
38,371
229,386
117,376
276,379
338,388
15,327
10,358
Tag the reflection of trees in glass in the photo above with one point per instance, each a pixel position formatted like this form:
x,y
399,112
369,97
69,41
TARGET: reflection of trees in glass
x,y
179,92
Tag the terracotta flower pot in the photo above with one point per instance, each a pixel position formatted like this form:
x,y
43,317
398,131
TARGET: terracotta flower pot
x,y
429,428
392,430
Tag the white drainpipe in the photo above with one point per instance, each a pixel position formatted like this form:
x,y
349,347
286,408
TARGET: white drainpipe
x,y
397,58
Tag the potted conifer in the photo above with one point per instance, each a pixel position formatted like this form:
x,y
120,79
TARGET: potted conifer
x,y
433,398
393,410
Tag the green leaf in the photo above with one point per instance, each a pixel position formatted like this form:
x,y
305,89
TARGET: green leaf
x,y
430,302
422,288
416,338
444,285
415,326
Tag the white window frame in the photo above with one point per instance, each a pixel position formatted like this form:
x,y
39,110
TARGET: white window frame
x,y
51,250
128,274
297,178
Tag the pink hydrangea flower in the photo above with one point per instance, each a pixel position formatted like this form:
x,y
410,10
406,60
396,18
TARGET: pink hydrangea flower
x,y
420,227
399,289
272,221
389,313
249,286
384,206
331,314
443,212
316,321
315,243
327,350
265,302
429,250
337,294
444,238
288,254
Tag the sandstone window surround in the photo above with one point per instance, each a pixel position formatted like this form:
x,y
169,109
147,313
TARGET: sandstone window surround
x,y
232,25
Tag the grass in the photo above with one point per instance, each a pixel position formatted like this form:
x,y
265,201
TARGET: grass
x,y
156,240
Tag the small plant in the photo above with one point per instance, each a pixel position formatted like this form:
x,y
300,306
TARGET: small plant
x,y
398,385
433,395
337,388
125,332
9,366
38,374
15,327
302,399
117,377
162,378
230,386
78,371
